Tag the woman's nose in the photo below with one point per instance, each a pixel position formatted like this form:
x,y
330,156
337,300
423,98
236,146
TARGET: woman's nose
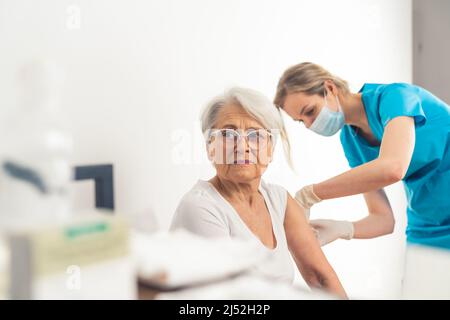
x,y
241,145
307,122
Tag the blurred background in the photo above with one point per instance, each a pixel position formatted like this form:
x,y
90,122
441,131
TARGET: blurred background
x,y
137,73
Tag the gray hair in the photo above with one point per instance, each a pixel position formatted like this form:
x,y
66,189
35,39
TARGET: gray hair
x,y
255,104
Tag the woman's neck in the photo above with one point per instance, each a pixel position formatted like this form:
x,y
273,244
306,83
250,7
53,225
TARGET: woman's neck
x,y
242,192
354,111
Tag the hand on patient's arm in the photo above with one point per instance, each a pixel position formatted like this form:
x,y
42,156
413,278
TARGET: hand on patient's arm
x,y
328,230
379,222
306,198
307,253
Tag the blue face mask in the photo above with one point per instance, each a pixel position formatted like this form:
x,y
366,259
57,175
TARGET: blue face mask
x,y
328,122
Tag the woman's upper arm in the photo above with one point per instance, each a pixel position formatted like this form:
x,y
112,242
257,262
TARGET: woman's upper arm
x,y
380,220
301,240
378,203
398,142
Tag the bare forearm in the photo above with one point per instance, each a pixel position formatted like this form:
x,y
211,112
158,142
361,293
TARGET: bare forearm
x,y
326,281
373,226
373,175
391,165
332,285
321,276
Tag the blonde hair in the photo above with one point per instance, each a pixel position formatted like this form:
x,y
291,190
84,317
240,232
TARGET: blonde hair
x,y
306,77
255,104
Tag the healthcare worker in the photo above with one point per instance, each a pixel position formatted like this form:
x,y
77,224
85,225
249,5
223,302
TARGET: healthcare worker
x,y
389,132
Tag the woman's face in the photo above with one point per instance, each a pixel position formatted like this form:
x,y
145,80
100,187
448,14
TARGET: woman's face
x,y
244,158
305,108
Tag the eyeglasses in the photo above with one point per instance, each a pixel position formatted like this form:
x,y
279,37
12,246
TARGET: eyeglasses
x,y
256,138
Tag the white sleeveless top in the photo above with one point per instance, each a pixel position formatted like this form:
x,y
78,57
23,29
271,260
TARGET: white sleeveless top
x,y
205,212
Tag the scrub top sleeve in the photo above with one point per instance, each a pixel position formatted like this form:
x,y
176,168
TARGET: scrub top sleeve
x,y
353,162
351,149
401,100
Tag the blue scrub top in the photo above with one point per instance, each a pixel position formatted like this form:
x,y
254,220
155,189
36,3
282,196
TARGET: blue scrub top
x,y
427,181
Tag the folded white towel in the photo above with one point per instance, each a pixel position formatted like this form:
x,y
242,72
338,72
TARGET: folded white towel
x,y
186,259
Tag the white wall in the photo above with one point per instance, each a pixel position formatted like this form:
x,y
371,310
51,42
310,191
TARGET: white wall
x,y
138,73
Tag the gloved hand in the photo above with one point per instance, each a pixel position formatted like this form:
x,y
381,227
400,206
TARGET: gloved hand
x,y
329,230
306,212
306,197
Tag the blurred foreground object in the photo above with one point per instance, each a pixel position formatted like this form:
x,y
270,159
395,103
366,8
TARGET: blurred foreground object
x,y
87,258
246,287
181,259
427,273
34,152
181,265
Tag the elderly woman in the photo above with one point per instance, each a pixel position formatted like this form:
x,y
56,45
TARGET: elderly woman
x,y
240,128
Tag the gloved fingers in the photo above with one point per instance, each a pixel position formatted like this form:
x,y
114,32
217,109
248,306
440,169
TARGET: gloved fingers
x,y
325,231
322,240
315,232
306,197
306,213
304,208
319,223
325,241
298,198
300,203
326,237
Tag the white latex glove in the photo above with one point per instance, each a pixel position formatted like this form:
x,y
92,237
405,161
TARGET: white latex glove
x,y
306,212
306,197
329,230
